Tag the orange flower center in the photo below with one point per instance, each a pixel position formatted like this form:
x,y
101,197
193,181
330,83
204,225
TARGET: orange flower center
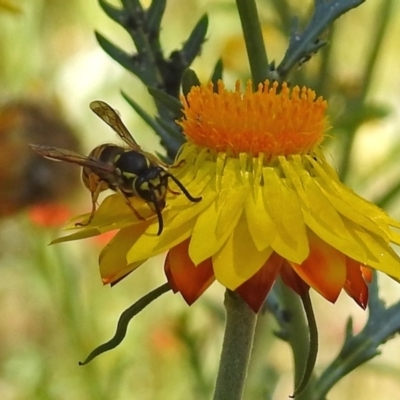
x,y
270,121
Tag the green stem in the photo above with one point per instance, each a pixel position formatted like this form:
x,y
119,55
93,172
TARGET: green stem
x,y
236,349
254,40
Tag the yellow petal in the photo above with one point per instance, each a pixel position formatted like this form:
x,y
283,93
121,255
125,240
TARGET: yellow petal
x,y
282,203
112,260
312,196
231,196
205,241
178,225
261,227
113,209
150,245
195,181
350,204
113,213
215,224
81,234
331,227
239,259
176,215
383,256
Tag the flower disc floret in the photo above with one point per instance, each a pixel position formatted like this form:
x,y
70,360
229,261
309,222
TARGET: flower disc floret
x,y
273,120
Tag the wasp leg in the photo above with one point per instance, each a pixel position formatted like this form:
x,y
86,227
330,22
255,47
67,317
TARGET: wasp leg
x,y
95,187
129,204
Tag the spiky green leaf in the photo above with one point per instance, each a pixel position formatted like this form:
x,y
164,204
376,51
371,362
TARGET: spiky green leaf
x,y
132,6
172,103
171,137
154,15
119,55
217,73
116,14
142,113
189,79
192,47
174,140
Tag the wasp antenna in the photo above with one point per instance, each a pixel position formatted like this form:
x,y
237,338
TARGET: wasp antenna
x,y
159,215
183,188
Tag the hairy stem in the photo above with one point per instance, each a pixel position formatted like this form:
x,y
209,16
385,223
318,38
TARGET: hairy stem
x,y
236,349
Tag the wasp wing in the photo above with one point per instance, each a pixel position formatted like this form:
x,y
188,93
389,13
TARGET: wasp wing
x,y
56,154
112,119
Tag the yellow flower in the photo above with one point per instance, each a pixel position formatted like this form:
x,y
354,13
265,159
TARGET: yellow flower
x,y
271,205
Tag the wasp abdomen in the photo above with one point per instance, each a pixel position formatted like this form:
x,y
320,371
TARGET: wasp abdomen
x,y
105,153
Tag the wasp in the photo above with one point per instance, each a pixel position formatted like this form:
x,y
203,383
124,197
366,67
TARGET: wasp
x,y
129,171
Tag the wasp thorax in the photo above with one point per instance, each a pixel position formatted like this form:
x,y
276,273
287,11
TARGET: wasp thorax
x,y
132,162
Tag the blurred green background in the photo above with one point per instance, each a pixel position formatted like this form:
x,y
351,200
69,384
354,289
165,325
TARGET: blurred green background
x,y
54,309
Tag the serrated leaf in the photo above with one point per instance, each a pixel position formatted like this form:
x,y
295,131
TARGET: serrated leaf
x,y
189,79
192,47
383,323
172,103
303,44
